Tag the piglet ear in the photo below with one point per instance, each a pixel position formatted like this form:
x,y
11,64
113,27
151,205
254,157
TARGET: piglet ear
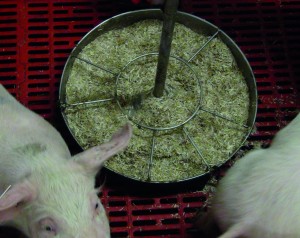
x,y
93,158
13,200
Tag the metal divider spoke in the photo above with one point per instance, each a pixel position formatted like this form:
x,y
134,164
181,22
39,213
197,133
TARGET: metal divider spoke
x,y
151,156
97,66
6,190
200,49
223,117
196,147
64,105
205,44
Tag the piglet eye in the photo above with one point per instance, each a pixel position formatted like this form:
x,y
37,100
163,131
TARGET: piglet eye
x,y
48,225
96,206
48,228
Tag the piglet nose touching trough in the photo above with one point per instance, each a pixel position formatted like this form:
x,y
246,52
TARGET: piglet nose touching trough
x,y
259,196
46,192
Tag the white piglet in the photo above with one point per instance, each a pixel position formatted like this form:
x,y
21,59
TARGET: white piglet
x,y
52,193
259,197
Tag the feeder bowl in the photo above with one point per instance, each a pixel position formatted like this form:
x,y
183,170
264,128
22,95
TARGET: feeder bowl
x,y
196,24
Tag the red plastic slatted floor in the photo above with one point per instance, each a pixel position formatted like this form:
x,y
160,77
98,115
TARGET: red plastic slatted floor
x,y
36,37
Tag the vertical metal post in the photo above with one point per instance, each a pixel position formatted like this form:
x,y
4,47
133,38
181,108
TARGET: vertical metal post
x,y
170,9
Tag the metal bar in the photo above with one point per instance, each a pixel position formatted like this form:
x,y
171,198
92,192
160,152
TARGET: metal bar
x,y
196,147
151,156
104,69
206,43
222,117
5,191
170,10
64,105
